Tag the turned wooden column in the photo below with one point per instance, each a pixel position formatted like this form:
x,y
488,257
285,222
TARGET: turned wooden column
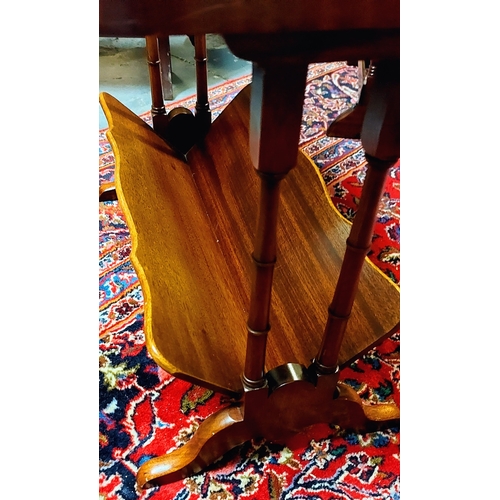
x,y
158,111
203,114
275,119
380,140
165,67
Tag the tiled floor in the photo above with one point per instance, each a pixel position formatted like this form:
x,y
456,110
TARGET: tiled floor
x,y
123,70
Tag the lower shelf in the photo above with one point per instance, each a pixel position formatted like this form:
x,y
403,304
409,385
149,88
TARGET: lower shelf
x,y
192,225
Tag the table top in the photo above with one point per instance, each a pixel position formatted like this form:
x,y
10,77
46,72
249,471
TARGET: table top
x,y
138,18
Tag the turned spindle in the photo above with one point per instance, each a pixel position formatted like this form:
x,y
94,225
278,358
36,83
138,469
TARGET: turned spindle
x,y
273,152
380,140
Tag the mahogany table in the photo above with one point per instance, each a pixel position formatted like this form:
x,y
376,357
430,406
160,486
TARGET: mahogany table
x,y
253,284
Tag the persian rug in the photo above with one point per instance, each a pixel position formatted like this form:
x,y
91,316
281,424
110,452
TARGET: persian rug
x,y
145,412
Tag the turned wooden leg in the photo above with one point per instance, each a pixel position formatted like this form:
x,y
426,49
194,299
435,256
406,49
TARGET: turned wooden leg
x,y
179,128
203,114
380,139
273,149
292,402
165,67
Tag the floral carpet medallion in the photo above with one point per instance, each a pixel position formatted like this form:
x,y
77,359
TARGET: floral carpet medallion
x,y
145,412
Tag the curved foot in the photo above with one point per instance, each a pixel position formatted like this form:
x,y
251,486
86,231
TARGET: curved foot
x,y
351,413
348,124
218,434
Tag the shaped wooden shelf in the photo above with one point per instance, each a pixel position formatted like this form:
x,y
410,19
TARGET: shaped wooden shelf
x,y
192,222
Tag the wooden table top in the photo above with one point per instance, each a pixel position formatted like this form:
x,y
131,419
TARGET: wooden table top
x,y
138,18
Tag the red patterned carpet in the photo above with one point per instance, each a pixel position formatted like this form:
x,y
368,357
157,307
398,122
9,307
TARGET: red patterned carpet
x,y
145,412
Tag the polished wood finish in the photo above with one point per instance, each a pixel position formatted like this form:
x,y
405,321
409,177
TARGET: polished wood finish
x,y
197,300
380,132
357,247
217,434
127,18
107,192
239,237
380,139
158,111
269,107
180,128
307,47
348,123
271,415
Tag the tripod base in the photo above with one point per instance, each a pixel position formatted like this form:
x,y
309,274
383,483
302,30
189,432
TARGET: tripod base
x,y
292,400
